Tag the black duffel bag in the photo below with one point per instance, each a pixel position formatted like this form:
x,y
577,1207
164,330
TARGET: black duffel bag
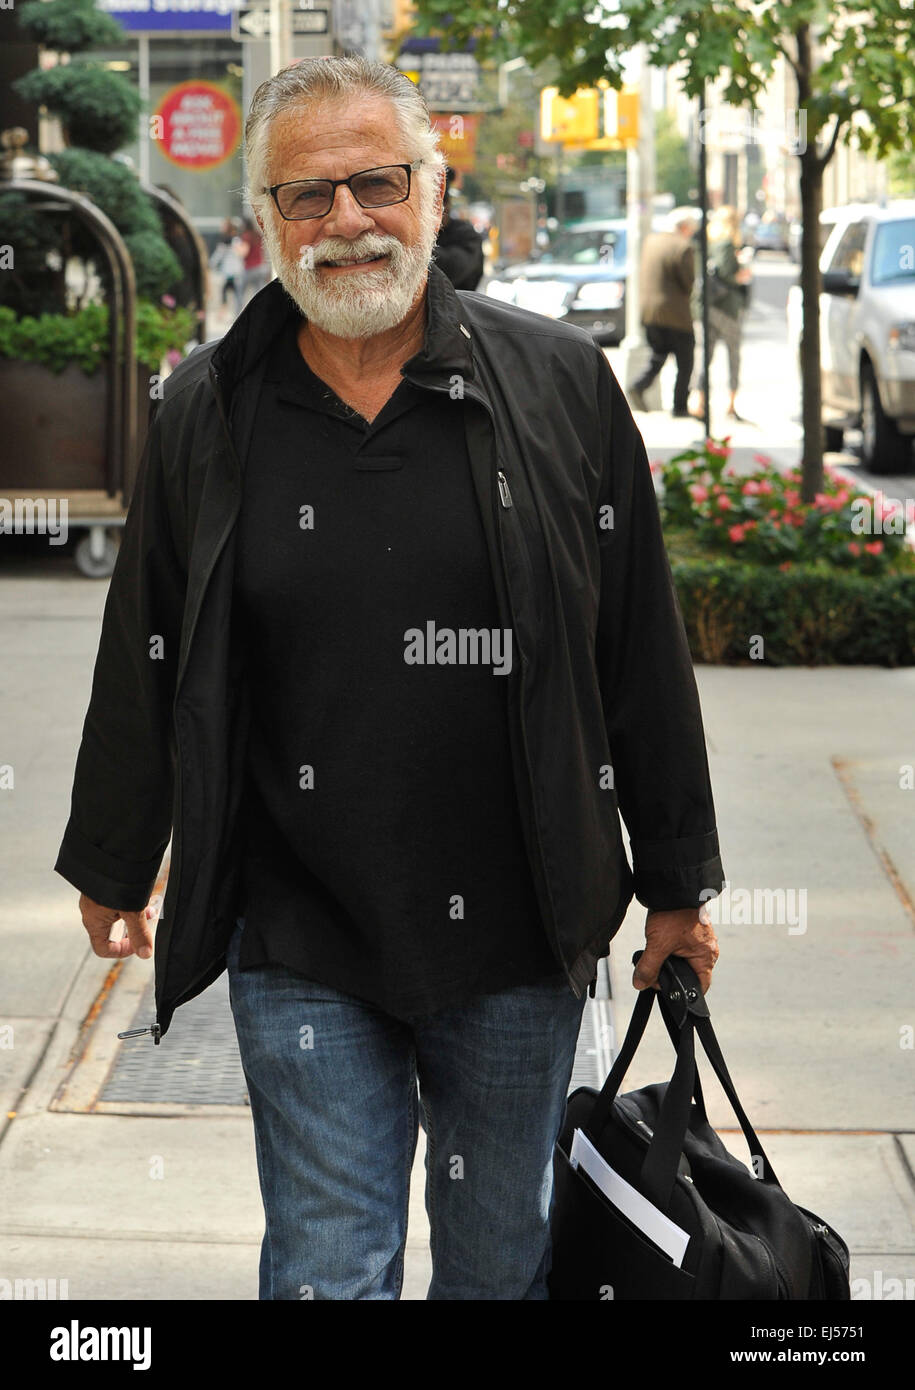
x,y
744,1238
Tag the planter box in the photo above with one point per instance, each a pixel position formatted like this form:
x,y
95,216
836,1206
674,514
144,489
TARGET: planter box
x,y
55,429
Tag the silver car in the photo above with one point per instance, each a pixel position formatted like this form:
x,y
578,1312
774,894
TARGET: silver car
x,y
867,331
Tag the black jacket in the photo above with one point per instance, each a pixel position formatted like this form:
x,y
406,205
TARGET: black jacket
x,y
605,712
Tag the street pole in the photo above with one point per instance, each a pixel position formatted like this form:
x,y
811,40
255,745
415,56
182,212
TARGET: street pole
x,y
640,182
280,35
703,256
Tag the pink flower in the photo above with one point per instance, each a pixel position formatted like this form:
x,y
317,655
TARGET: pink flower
x,y
792,497
874,547
724,502
730,471
885,509
823,501
169,301
761,458
737,533
173,357
854,548
655,467
698,493
750,488
764,487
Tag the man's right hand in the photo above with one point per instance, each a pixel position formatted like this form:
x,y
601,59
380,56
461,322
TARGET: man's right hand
x,y
137,938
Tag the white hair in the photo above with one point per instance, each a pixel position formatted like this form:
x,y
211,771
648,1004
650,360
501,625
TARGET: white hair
x,y
680,215
334,79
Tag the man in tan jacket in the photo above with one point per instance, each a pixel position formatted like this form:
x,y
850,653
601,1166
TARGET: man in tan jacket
x,y
666,276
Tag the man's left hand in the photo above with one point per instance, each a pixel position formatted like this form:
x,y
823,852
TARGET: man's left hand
x,y
683,932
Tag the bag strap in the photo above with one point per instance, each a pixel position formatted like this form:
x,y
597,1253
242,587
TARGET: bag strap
x,y
685,1012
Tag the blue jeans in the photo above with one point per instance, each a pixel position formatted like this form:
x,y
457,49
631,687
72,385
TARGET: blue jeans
x,y
332,1082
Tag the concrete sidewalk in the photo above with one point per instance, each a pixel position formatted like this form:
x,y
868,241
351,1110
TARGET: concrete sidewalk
x,y
814,1011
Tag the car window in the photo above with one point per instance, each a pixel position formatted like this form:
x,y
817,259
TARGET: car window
x,y
849,254
894,252
607,247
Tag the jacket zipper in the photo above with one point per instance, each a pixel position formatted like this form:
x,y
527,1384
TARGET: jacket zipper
x,y
505,497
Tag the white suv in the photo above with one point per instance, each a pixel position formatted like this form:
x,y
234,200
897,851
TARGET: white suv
x,y
867,331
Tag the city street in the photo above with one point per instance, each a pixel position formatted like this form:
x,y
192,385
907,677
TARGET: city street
x,y
769,398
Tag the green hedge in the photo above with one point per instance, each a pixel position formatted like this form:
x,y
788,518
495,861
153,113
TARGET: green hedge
x,y
807,616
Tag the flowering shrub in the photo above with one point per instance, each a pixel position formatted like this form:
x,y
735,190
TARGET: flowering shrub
x,y
760,517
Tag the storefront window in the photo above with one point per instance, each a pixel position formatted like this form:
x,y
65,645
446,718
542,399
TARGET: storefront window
x,y
190,136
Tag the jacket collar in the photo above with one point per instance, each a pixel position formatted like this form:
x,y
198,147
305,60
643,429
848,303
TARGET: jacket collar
x,y
446,346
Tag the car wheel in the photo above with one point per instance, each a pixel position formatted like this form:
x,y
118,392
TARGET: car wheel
x,y
883,448
833,435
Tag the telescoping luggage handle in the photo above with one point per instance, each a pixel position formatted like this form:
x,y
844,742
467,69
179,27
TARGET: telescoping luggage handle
x,y
685,1012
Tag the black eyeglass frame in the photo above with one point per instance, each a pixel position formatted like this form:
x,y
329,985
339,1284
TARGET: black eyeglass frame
x,y
337,183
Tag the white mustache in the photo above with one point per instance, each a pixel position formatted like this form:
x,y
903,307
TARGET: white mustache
x,y
348,250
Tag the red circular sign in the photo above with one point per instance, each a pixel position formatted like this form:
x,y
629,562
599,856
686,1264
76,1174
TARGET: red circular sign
x,y
198,125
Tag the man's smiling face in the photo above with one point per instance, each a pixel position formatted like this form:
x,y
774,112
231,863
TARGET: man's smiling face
x,y
316,259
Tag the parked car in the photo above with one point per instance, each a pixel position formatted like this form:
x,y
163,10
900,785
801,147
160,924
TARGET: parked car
x,y
827,222
867,331
580,277
771,233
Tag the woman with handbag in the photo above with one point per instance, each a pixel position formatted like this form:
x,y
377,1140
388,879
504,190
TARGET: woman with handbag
x,y
729,293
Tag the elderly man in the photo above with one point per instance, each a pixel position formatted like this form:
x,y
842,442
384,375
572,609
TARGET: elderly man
x,y
666,276
391,641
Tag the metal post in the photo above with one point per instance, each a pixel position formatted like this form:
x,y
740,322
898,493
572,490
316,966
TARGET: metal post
x,y
143,85
703,256
640,181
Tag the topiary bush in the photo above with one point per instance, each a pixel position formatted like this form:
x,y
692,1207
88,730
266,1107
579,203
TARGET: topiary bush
x,y
98,108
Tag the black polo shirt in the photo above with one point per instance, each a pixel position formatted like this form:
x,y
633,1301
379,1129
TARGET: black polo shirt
x,y
384,853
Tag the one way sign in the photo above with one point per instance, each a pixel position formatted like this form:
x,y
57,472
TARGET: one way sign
x,y
254,22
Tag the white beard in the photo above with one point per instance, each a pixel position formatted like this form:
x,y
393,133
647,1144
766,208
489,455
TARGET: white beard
x,y
362,303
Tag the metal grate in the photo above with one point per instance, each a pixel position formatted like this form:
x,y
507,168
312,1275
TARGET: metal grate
x,y
196,1063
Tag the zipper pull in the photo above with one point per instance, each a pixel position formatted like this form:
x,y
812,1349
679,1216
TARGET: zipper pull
x,y
504,492
154,1029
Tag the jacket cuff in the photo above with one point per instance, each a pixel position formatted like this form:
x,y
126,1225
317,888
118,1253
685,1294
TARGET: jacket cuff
x,y
122,884
673,874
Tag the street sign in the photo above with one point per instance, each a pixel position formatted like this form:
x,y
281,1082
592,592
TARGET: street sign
x,y
253,22
449,81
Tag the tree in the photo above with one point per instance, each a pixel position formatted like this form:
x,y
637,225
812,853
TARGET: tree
x,y
98,110
853,64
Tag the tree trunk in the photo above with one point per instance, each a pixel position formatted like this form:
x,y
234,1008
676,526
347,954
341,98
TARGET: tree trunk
x,y
811,188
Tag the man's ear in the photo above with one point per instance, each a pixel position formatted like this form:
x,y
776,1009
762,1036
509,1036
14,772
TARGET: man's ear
x,y
441,193
258,219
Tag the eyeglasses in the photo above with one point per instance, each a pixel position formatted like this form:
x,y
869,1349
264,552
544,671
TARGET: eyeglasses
x,y
372,188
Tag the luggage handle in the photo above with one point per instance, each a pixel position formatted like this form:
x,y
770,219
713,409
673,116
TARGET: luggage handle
x,y
685,1013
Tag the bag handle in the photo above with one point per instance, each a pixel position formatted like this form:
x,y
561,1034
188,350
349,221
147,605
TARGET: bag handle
x,y
685,1013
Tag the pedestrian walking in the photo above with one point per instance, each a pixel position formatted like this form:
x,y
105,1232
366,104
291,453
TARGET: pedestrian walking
x,y
255,269
459,246
397,552
227,260
666,277
729,282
